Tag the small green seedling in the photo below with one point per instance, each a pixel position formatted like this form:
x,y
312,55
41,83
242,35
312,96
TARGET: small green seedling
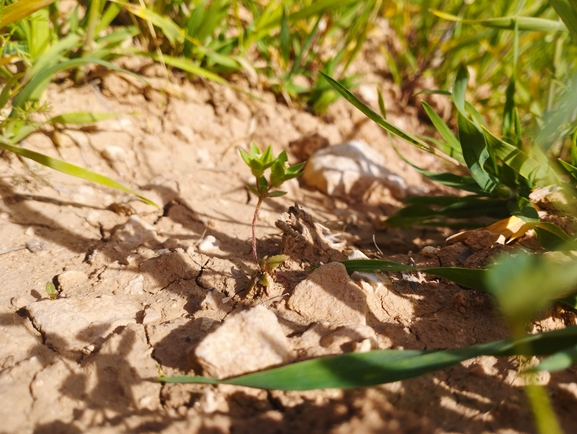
x,y
259,162
51,291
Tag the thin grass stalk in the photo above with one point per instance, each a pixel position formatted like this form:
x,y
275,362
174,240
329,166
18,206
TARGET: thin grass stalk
x,y
89,40
256,211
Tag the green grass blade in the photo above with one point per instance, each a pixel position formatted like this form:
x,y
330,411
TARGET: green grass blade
x,y
519,161
5,94
38,83
571,170
71,169
558,362
80,118
21,9
567,11
284,37
173,33
460,212
508,23
52,55
465,183
382,122
383,366
188,66
445,133
470,277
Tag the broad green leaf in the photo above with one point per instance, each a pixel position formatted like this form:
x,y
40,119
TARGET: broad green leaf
x,y
571,170
71,169
473,146
524,209
552,237
385,366
51,291
475,153
524,23
276,193
81,118
519,161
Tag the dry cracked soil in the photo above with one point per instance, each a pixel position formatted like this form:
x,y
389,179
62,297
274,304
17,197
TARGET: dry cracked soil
x,y
144,291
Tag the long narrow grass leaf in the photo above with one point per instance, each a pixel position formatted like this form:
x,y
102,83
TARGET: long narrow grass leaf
x,y
21,9
71,169
445,133
384,366
40,80
376,117
81,118
508,23
567,11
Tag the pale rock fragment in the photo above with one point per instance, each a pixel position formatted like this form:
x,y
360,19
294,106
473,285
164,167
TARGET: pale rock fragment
x,y
328,294
151,316
209,244
35,246
429,251
350,169
246,342
135,286
71,324
114,153
71,279
354,337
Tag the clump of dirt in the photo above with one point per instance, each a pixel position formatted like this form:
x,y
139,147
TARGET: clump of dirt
x,y
145,291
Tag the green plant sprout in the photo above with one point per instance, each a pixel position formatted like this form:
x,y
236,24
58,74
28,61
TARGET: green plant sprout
x,y
259,162
51,291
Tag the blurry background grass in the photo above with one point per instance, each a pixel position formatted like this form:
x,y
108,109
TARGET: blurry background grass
x,y
282,45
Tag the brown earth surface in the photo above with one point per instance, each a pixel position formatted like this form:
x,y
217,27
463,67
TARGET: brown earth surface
x,y
145,291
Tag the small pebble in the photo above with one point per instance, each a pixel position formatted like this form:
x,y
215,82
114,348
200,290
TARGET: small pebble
x,y
208,244
151,316
429,251
35,245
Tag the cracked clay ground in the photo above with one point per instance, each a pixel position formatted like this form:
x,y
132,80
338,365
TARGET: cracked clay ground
x,y
145,291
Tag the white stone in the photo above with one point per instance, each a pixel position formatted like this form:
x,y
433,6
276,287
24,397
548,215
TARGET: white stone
x,y
351,168
329,295
246,342
151,316
208,244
